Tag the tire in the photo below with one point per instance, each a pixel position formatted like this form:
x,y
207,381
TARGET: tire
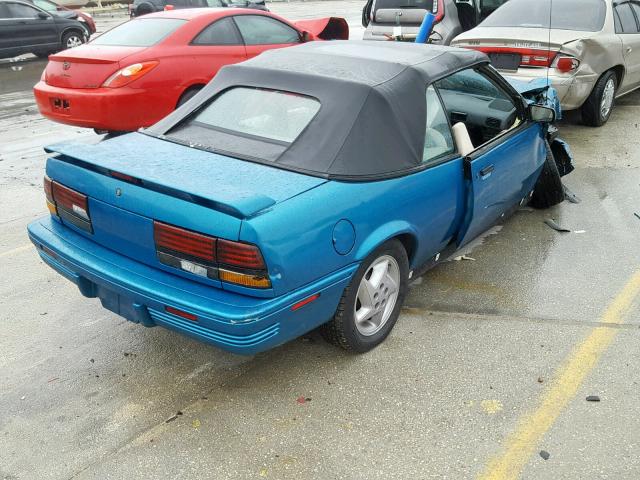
x,y
143,9
388,263
597,109
72,39
549,190
187,95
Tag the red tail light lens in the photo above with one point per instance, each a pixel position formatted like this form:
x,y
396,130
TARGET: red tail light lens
x,y
70,200
566,63
530,57
240,255
183,241
69,205
215,258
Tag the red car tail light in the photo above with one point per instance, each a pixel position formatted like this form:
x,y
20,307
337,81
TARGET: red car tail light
x,y
438,10
183,241
128,74
68,204
211,257
241,255
565,63
529,57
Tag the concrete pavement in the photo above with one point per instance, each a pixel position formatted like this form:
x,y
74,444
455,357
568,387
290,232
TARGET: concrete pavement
x,y
85,394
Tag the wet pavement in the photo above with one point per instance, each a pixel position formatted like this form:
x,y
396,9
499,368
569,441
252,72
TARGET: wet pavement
x,y
477,373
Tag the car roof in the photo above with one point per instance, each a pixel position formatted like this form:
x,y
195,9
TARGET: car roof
x,y
191,13
372,119
367,62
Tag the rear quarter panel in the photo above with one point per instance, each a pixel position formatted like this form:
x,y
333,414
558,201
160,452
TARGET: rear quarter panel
x,y
296,235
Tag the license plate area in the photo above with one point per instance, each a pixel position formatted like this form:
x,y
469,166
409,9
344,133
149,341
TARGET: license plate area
x,y
60,104
506,61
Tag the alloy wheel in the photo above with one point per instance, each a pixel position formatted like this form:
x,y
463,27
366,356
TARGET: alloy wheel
x,y
377,295
607,98
74,41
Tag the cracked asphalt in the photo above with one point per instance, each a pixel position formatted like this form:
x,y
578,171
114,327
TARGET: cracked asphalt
x,y
490,362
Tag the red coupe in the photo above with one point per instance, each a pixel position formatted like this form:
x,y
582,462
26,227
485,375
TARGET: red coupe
x,y
138,72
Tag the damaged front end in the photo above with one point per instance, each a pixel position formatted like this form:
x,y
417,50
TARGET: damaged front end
x,y
540,92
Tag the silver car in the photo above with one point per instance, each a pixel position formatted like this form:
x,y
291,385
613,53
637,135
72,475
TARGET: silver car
x,y
590,52
401,19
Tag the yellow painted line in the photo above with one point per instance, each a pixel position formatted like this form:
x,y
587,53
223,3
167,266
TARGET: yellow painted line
x,y
522,443
16,250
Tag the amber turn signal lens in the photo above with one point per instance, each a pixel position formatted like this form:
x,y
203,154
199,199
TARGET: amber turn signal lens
x,y
246,280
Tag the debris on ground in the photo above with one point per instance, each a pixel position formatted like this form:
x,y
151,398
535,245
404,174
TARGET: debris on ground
x,y
302,399
636,214
464,257
540,380
570,196
552,223
544,454
593,398
172,418
196,423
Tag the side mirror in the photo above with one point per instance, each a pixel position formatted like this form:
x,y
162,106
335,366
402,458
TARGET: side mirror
x,y
42,16
305,37
538,113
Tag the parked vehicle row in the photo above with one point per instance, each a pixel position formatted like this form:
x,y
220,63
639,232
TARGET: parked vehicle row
x,y
28,28
302,188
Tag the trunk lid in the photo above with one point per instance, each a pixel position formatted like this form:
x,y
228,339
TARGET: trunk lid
x,y
515,37
87,66
196,190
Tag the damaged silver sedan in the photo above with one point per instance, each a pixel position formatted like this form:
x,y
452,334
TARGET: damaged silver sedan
x,y
591,53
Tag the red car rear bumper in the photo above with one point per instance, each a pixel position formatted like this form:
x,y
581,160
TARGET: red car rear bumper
x,y
114,109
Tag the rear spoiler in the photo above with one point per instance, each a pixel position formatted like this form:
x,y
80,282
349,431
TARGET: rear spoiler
x,y
328,28
128,166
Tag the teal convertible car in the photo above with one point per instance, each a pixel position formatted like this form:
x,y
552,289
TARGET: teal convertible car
x,y
302,188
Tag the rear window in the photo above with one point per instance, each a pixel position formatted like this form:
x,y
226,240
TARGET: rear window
x,y
265,114
143,32
420,4
580,15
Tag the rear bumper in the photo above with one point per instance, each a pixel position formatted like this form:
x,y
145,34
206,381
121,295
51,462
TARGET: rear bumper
x,y
113,109
573,90
140,293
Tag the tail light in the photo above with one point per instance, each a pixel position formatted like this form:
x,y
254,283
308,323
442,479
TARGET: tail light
x,y
68,204
565,63
529,57
128,74
211,257
438,10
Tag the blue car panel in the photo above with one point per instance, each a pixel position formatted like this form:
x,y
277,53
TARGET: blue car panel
x,y
262,247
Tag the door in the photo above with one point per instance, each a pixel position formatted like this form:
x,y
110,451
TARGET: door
x,y
261,32
31,28
217,45
507,152
627,23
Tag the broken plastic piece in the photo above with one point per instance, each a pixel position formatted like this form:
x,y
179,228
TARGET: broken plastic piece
x,y
552,223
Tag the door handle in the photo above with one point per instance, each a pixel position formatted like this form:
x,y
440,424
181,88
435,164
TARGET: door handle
x,y
486,171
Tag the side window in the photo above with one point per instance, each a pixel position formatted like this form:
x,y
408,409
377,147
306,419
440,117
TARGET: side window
x,y
17,10
220,32
438,141
4,11
471,97
263,30
628,22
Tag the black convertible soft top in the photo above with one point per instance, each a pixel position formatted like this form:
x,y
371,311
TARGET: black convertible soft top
x,y
372,94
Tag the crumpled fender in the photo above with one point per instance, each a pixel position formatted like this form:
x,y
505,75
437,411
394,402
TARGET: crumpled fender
x,y
328,28
538,91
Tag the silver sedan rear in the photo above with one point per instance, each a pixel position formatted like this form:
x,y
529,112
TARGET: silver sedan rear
x,y
591,53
